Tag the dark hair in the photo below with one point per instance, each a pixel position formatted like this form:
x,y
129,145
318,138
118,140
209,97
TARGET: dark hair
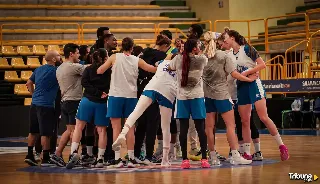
x,y
196,28
70,47
100,31
100,42
188,47
127,44
137,50
240,40
167,33
98,56
163,40
83,52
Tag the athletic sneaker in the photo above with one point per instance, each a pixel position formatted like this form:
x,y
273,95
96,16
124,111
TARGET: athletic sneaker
x,y
98,164
158,152
47,163
239,160
220,157
57,160
147,162
157,159
132,163
185,164
138,160
165,164
109,162
37,157
284,153
73,159
205,163
172,156
257,156
86,159
116,146
31,160
178,152
194,151
229,156
247,156
214,161
118,163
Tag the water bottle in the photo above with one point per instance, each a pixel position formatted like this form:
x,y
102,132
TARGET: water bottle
x,y
311,105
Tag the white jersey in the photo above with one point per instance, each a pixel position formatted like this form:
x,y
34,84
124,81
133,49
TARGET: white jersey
x,y
124,76
164,81
245,58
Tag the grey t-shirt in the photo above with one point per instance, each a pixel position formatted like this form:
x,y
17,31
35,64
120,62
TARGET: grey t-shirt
x,y
69,76
215,76
194,88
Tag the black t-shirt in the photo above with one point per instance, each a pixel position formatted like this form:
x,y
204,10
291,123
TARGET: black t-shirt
x,y
150,56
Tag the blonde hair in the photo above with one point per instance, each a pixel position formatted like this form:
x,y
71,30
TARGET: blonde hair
x,y
211,46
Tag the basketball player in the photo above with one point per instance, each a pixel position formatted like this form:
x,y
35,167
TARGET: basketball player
x,y
69,75
190,97
249,62
101,31
93,106
42,111
161,88
217,97
123,93
257,156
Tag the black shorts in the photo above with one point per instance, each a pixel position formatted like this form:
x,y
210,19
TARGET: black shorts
x,y
42,120
69,110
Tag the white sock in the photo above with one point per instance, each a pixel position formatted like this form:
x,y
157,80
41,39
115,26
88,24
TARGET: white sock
x,y
247,148
166,114
89,150
165,156
235,153
241,148
131,154
278,139
257,147
116,155
213,154
101,153
74,147
171,148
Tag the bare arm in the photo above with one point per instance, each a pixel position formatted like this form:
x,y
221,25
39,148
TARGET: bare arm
x,y
146,67
30,86
107,64
240,77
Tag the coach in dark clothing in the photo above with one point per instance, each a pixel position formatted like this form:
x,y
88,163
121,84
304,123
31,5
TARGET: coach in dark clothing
x,y
42,111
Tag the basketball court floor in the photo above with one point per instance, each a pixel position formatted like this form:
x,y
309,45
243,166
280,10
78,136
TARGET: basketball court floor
x,y
304,148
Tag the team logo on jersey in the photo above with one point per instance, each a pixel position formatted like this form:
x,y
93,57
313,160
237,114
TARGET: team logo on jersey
x,y
241,68
165,69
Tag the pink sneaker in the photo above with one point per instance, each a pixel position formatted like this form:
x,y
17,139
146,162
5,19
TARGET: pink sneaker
x,y
205,163
284,153
185,164
246,156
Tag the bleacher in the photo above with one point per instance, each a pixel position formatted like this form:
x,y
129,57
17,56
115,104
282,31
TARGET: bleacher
x,y
31,27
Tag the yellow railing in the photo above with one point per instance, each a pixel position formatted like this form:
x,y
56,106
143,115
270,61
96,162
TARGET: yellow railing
x,y
274,69
313,50
116,23
249,36
183,23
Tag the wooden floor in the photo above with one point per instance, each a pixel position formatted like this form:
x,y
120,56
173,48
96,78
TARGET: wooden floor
x,y
304,151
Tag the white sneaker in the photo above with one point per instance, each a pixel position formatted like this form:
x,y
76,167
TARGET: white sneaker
x,y
37,157
165,164
239,160
147,162
178,152
257,156
116,146
215,161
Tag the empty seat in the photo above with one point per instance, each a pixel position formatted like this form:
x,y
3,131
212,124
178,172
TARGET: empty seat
x,y
4,64
21,89
33,63
27,101
11,76
18,63
39,50
24,51
8,51
55,47
25,75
